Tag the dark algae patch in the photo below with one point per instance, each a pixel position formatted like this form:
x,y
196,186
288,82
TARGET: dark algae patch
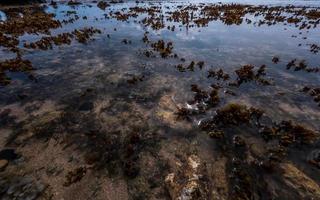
x,y
159,100
246,74
13,65
45,43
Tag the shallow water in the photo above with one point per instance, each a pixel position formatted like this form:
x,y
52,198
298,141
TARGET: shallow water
x,y
92,80
218,45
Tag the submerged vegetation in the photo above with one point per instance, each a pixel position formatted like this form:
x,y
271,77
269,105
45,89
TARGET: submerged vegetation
x,y
246,74
159,100
14,65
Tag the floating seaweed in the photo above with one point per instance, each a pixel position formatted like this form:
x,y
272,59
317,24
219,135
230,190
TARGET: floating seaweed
x,y
10,42
145,38
219,74
45,43
313,92
102,5
83,35
13,65
200,64
126,41
246,74
181,68
301,66
35,21
165,49
314,48
191,66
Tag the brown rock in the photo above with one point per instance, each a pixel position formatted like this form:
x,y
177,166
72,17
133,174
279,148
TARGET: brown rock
x,y
3,164
190,183
166,110
296,179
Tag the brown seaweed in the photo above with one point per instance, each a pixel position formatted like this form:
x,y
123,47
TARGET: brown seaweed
x,y
13,65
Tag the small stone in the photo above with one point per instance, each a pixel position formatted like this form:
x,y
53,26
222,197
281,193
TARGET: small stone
x,y
3,164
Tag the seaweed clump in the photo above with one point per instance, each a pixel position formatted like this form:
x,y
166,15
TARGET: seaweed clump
x,y
301,66
34,21
314,48
230,115
218,74
83,35
313,92
285,135
295,134
190,67
204,99
275,59
9,42
165,49
153,21
236,114
242,172
288,133
13,65
247,74
102,5
45,43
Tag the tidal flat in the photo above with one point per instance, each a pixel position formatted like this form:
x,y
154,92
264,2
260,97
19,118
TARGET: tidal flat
x,y
182,100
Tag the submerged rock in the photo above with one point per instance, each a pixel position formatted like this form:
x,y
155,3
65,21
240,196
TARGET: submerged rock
x,y
190,183
20,188
3,164
166,113
300,182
